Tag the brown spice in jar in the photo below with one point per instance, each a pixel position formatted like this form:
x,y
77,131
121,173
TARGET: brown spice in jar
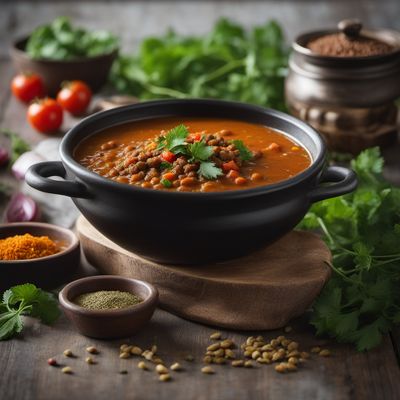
x,y
339,45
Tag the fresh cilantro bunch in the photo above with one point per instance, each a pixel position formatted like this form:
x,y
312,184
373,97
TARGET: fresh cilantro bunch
x,y
229,63
22,300
60,40
362,299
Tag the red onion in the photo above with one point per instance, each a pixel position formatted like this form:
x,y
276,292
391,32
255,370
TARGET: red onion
x,y
22,208
23,162
4,157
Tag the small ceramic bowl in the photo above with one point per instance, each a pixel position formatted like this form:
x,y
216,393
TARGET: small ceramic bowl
x,y
45,272
92,70
109,324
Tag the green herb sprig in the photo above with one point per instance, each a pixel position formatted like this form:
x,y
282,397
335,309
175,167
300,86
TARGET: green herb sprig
x,y
361,301
175,142
60,40
18,145
229,63
25,299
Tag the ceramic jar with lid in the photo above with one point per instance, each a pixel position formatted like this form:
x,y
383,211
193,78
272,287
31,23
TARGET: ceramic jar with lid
x,y
350,99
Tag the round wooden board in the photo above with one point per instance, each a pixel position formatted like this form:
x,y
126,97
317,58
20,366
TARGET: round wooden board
x,y
261,291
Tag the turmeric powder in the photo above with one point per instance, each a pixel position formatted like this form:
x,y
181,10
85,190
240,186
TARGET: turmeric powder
x,y
26,247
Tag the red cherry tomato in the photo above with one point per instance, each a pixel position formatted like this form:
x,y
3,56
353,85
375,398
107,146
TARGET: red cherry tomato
x,y
45,115
74,97
27,87
168,156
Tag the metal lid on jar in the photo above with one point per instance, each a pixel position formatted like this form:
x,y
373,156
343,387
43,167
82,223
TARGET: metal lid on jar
x,y
349,44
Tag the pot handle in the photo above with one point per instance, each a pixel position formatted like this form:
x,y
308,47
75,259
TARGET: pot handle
x,y
38,175
343,180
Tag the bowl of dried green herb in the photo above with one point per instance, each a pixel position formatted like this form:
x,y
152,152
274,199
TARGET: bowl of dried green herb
x,y
107,307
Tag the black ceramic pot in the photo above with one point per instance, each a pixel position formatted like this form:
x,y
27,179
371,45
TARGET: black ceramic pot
x,y
184,227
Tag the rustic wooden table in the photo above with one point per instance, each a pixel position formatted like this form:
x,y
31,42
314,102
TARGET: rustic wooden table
x,y
25,374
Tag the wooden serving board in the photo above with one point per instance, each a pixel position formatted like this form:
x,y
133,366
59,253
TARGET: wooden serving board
x,y
261,291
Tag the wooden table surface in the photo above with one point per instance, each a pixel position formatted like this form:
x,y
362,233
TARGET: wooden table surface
x,y
25,373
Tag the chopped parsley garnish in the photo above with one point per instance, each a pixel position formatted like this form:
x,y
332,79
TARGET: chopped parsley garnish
x,y
175,142
209,170
165,165
245,153
166,183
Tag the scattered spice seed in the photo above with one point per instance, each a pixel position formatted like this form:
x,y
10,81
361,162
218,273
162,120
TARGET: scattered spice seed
x,y
281,368
293,360
68,353
226,344
176,367
67,370
291,367
90,360
215,336
154,349
125,355
207,359
92,350
207,370
248,364
137,351
237,363
52,362
164,377
161,369
157,360
293,346
142,365
125,348
325,353
214,347
316,349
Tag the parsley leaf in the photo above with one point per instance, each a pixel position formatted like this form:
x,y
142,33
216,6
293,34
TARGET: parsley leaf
x,y
360,303
165,165
200,151
245,153
166,183
25,299
209,170
176,137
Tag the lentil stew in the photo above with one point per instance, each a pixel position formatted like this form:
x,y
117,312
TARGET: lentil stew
x,y
195,154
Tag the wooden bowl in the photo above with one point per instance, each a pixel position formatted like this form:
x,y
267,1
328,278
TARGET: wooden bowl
x,y
109,324
92,70
45,272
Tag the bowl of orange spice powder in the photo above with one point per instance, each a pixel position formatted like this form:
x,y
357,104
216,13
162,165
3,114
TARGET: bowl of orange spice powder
x,y
43,254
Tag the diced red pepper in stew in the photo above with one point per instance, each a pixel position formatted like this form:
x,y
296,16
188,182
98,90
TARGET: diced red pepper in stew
x,y
168,156
232,174
227,166
196,137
